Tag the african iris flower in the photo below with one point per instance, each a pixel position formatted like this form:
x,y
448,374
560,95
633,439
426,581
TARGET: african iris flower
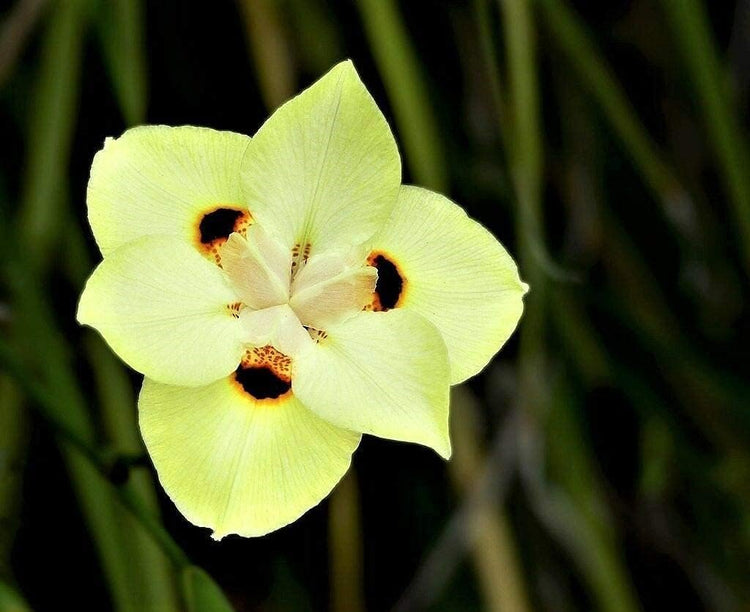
x,y
284,295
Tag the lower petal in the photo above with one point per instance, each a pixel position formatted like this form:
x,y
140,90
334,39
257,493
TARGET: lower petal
x,y
237,464
382,373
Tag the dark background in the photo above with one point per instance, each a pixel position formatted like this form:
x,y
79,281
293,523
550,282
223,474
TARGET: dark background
x,y
602,460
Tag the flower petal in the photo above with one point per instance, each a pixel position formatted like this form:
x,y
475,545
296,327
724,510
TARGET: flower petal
x,y
165,310
258,267
382,373
236,464
451,270
324,169
277,326
163,180
329,288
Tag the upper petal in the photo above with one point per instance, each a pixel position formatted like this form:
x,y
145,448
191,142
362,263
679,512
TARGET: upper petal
x,y
324,169
163,180
383,373
165,311
237,464
451,270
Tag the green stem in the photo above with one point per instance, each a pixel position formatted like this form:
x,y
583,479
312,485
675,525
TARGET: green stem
x,y
690,28
50,405
345,536
482,15
595,549
267,37
52,124
594,74
404,82
494,550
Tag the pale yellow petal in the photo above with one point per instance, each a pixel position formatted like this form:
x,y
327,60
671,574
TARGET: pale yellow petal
x,y
238,465
324,169
165,311
163,180
382,373
454,273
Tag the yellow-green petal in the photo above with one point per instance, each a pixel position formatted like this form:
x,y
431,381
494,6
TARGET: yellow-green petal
x,y
164,310
163,180
324,169
238,465
382,373
456,274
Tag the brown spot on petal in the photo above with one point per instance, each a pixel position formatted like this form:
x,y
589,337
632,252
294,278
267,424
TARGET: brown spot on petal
x,y
300,255
213,227
265,374
234,309
391,284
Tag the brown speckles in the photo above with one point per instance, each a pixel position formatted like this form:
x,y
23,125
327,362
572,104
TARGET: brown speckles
x,y
234,309
214,226
265,374
391,284
300,255
318,335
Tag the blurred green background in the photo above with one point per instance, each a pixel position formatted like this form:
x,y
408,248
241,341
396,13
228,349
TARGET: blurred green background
x,y
602,460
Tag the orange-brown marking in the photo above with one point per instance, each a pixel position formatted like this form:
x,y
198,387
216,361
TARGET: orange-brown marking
x,y
300,254
316,334
391,285
265,374
234,309
213,227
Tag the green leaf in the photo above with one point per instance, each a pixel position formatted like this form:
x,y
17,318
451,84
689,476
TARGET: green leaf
x,y
201,593
10,600
121,33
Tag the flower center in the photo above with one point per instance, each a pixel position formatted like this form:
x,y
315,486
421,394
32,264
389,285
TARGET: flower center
x,y
288,295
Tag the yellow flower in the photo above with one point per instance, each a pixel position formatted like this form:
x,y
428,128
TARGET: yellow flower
x,y
282,296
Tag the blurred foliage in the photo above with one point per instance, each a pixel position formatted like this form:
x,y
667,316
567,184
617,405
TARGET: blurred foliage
x,y
602,461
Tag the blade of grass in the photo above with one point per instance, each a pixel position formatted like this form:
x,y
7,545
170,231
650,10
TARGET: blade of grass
x,y
201,592
345,547
594,74
56,411
574,511
14,434
407,91
11,600
121,35
490,486
51,129
692,34
316,34
16,28
598,558
269,46
42,212
492,545
152,578
482,13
